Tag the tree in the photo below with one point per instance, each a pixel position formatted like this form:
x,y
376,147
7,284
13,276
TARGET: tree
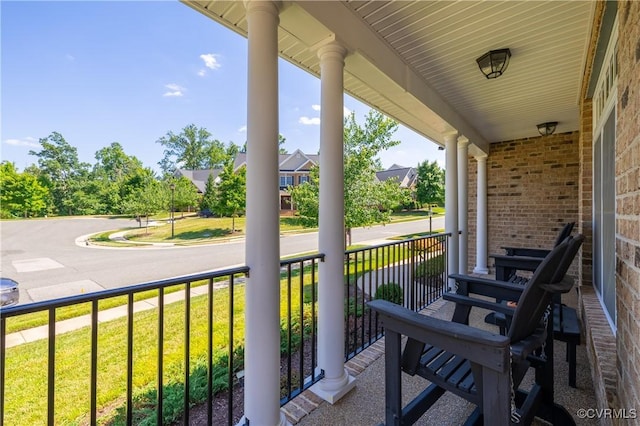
x,y
146,200
22,194
281,148
62,171
109,177
366,200
190,149
306,198
230,197
281,141
185,194
430,185
208,200
114,164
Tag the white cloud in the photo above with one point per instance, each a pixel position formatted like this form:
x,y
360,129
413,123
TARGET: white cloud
x,y
28,141
70,57
174,90
242,129
211,60
346,111
309,121
202,73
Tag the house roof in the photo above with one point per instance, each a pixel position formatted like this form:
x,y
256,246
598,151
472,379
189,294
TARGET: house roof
x,y
198,177
297,161
406,176
416,61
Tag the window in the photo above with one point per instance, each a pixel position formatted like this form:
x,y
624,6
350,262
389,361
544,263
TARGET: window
x,y
304,179
604,189
286,181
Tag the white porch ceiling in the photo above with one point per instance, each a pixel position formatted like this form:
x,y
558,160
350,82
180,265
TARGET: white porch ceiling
x,y
415,60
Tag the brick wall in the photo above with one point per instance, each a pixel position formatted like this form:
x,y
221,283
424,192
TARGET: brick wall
x,y
532,191
628,205
472,166
585,193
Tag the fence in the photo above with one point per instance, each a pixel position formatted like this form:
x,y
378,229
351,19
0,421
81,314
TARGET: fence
x,y
172,351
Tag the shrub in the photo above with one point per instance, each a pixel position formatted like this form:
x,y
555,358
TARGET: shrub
x,y
391,292
145,399
297,333
351,307
429,268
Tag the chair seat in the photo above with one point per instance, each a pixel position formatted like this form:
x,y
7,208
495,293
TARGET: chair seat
x,y
567,329
446,369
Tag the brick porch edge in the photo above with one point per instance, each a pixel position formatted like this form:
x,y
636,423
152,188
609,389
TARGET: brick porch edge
x,y
601,351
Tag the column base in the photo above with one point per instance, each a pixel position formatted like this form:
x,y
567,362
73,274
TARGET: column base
x,y
478,270
333,395
283,421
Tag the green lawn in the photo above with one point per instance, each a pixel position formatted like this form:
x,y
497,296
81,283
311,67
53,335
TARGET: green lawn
x,y
190,230
26,364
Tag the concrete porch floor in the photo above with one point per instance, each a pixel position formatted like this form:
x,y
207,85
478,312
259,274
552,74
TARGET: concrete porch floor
x,y
365,404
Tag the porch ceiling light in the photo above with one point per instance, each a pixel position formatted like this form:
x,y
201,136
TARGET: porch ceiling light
x,y
546,129
494,63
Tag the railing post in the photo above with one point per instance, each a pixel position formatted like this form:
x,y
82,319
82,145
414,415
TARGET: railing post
x,y
451,200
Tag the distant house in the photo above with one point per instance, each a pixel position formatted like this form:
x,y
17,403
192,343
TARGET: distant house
x,y
294,170
199,177
407,177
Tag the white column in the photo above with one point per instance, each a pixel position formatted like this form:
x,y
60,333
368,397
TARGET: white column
x,y
336,381
451,200
481,218
262,307
463,203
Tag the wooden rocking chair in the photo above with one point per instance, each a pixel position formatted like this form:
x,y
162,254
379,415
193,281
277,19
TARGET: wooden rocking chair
x,y
566,324
481,367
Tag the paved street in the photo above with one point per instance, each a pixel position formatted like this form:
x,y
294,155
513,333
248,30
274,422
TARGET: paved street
x,y
49,259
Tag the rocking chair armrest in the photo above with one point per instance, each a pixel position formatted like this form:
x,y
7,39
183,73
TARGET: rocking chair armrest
x,y
523,251
482,347
500,290
524,263
480,303
525,347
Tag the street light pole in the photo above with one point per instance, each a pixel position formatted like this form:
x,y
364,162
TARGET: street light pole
x,y
173,188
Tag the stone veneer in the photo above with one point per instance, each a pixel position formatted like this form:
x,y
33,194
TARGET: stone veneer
x,y
628,206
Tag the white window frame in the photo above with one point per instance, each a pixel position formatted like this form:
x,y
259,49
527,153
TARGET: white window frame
x,y
604,107
286,180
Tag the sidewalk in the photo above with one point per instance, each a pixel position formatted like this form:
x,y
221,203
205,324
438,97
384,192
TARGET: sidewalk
x,y
65,326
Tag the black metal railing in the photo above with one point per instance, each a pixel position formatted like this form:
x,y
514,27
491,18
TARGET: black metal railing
x,y
218,290
185,347
411,272
298,337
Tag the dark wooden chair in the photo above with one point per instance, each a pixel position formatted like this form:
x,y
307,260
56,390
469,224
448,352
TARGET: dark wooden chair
x,y
482,367
566,323
565,231
524,259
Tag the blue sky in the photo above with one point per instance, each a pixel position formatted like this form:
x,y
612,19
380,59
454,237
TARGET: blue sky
x,y
129,72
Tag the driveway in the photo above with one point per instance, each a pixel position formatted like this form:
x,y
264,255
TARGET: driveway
x,y
43,256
